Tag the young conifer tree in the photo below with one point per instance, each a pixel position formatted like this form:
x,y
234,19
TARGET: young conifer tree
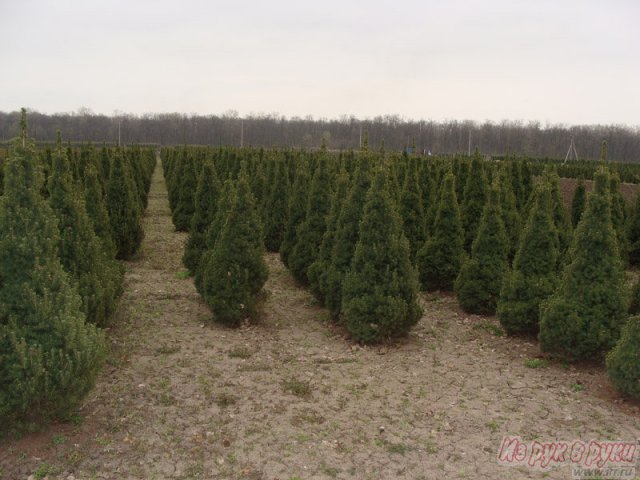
x,y
275,208
49,355
474,200
478,284
578,202
185,205
623,362
560,216
633,234
510,215
213,231
318,270
96,205
534,276
347,234
380,291
618,215
442,255
123,210
411,210
429,188
583,318
311,230
235,272
296,210
206,199
515,176
98,277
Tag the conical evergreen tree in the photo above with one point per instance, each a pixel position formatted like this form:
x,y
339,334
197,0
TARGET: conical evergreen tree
x,y
634,303
97,211
347,234
441,257
206,199
235,272
123,210
623,362
317,272
633,234
460,170
527,180
583,318
533,278
296,211
510,216
560,215
474,200
515,174
98,277
213,231
411,211
49,356
380,292
365,141
578,202
311,231
185,205
478,285
275,208
618,214
430,195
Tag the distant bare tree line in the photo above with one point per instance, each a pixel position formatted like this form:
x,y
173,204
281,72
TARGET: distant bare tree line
x,y
507,137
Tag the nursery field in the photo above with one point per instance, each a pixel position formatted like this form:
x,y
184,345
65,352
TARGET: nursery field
x,y
291,397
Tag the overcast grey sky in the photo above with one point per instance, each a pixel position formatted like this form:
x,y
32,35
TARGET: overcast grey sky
x,y
562,61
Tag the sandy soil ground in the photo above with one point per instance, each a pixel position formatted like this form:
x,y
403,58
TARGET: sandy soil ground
x,y
292,398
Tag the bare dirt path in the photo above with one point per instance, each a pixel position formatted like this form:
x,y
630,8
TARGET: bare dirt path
x,y
183,398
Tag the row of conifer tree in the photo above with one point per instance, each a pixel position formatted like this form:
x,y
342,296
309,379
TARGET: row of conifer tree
x,y
66,216
366,231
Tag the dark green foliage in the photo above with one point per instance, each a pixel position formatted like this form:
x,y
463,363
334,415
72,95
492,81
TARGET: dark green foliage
x,y
235,271
560,215
310,232
527,181
97,210
618,214
473,200
634,304
98,277
604,151
275,208
380,289
411,211
623,362
185,205
429,195
510,215
213,231
533,278
478,285
441,257
633,234
578,202
123,210
49,356
460,170
317,272
296,211
347,234
583,318
515,175
206,199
